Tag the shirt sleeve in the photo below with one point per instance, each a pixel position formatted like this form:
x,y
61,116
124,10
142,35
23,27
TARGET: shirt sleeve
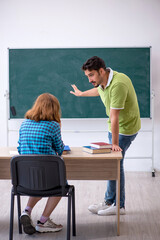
x,y
118,96
19,143
58,144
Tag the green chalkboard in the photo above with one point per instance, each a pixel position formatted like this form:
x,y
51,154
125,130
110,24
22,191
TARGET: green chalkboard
x,y
36,71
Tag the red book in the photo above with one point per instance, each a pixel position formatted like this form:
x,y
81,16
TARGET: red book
x,y
101,145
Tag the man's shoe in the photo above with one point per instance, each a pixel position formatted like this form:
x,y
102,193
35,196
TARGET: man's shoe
x,y
48,226
27,224
112,210
94,208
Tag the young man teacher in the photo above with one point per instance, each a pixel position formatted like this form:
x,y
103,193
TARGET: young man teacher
x,y
120,100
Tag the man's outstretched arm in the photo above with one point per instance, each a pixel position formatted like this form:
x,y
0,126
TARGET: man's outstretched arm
x,y
93,92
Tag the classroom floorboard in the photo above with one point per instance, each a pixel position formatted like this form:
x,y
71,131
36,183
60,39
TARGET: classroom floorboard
x,y
142,220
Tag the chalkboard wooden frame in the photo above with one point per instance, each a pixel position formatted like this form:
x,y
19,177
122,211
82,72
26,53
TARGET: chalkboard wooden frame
x,y
35,71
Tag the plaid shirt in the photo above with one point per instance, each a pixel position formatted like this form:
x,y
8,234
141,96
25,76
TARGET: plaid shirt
x,y
43,137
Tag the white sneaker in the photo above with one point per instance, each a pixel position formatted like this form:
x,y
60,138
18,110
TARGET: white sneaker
x,y
94,208
48,226
112,210
27,224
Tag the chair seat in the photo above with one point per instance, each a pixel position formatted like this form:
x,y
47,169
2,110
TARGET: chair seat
x,y
45,193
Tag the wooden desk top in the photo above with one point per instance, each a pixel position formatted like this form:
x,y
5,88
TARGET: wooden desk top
x,y
76,153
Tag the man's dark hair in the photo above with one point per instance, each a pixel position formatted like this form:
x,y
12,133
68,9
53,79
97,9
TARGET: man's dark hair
x,y
94,63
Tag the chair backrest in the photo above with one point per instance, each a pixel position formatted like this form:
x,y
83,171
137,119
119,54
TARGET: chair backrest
x,y
38,172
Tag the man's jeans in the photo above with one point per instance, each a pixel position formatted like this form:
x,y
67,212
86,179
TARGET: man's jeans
x,y
110,195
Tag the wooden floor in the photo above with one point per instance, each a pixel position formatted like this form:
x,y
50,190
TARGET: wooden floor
x,y
142,221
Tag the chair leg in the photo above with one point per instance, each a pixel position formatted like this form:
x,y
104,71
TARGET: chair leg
x,y
73,213
69,218
19,213
11,216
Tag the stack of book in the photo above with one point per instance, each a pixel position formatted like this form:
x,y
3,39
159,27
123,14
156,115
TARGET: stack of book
x,y
98,147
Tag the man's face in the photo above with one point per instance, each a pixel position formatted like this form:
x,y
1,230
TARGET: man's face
x,y
94,77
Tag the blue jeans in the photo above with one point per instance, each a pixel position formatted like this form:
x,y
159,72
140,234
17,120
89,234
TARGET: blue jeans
x,y
110,195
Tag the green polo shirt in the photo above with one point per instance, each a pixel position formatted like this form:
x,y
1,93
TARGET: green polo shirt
x,y
120,94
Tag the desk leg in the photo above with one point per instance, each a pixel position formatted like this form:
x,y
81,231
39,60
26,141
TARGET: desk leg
x,y
118,197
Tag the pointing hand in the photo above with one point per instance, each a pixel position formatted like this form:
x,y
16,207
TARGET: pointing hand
x,y
76,92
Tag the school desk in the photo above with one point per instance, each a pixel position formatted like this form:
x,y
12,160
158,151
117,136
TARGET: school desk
x,y
79,166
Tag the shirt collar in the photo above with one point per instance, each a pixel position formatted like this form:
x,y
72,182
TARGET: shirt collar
x,y
109,77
